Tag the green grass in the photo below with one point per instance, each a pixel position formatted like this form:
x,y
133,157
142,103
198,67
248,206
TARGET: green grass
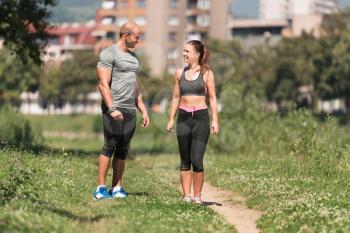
x,y
52,192
293,169
153,140
81,144
292,195
62,123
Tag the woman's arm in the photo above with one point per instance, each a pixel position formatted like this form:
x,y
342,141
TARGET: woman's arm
x,y
175,100
213,102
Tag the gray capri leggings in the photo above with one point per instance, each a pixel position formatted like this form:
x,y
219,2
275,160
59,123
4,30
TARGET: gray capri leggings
x,y
192,129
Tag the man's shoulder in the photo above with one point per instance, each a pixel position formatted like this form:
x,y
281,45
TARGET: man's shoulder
x,y
109,49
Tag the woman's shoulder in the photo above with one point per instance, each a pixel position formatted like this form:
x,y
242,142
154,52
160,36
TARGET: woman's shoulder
x,y
208,73
179,71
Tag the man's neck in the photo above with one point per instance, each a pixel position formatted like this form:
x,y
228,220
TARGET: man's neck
x,y
121,44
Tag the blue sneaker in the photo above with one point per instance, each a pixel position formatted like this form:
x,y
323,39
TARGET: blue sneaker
x,y
121,193
101,193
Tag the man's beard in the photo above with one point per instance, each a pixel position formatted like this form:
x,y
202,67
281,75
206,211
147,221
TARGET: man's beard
x,y
130,44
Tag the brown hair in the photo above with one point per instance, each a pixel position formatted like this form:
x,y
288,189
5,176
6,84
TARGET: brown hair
x,y
203,54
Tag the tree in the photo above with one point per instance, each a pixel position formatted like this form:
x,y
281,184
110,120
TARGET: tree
x,y
337,34
16,77
72,81
23,25
224,60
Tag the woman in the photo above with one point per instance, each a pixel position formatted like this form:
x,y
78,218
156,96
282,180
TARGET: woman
x,y
191,86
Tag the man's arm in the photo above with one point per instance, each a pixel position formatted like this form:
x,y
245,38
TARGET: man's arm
x,y
104,76
141,106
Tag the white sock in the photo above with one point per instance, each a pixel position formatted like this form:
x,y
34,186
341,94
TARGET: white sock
x,y
116,188
100,186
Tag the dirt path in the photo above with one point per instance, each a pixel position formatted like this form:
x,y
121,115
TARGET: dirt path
x,y
231,206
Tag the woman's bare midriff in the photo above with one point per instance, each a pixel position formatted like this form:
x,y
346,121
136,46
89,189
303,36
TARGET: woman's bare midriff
x,y
193,101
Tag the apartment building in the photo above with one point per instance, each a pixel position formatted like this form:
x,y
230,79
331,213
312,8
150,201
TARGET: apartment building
x,y
66,38
165,26
284,9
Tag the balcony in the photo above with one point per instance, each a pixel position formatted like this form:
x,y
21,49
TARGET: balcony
x,y
109,4
101,13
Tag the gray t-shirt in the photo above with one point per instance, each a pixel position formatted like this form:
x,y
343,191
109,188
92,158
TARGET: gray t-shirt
x,y
124,67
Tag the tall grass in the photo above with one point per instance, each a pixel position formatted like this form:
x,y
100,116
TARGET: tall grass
x,y
16,130
289,165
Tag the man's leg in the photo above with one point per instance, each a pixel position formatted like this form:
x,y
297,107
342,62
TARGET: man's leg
x,y
122,149
118,170
103,165
101,191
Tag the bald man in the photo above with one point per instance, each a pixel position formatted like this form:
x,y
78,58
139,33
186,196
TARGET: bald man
x,y
116,70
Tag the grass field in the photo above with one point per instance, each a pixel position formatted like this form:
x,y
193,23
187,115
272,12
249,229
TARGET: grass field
x,y
296,193
52,192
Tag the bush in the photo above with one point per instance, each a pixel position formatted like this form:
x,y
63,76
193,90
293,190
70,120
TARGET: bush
x,y
16,130
246,128
97,124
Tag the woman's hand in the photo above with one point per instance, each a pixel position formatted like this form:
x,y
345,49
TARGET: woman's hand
x,y
214,129
170,125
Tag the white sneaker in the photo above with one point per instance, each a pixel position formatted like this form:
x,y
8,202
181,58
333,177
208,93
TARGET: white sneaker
x,y
197,200
187,199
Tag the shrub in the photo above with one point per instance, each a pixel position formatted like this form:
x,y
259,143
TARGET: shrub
x,y
16,130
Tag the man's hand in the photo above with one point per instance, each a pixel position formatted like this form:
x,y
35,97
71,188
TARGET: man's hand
x,y
117,115
145,121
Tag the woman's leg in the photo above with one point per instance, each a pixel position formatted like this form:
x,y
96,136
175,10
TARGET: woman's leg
x,y
183,132
200,136
186,180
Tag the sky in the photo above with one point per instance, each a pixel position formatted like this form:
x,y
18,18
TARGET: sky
x,y
250,8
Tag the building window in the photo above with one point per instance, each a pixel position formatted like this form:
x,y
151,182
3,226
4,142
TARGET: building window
x,y
123,3
203,20
192,4
110,35
141,3
173,3
108,20
108,4
54,40
172,36
203,4
191,19
140,20
121,20
173,20
70,39
194,36
173,54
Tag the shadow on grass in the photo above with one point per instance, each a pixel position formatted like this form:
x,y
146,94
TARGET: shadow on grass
x,y
139,194
210,203
68,214
42,150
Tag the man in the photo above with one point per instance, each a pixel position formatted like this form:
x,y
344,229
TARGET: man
x,y
121,96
